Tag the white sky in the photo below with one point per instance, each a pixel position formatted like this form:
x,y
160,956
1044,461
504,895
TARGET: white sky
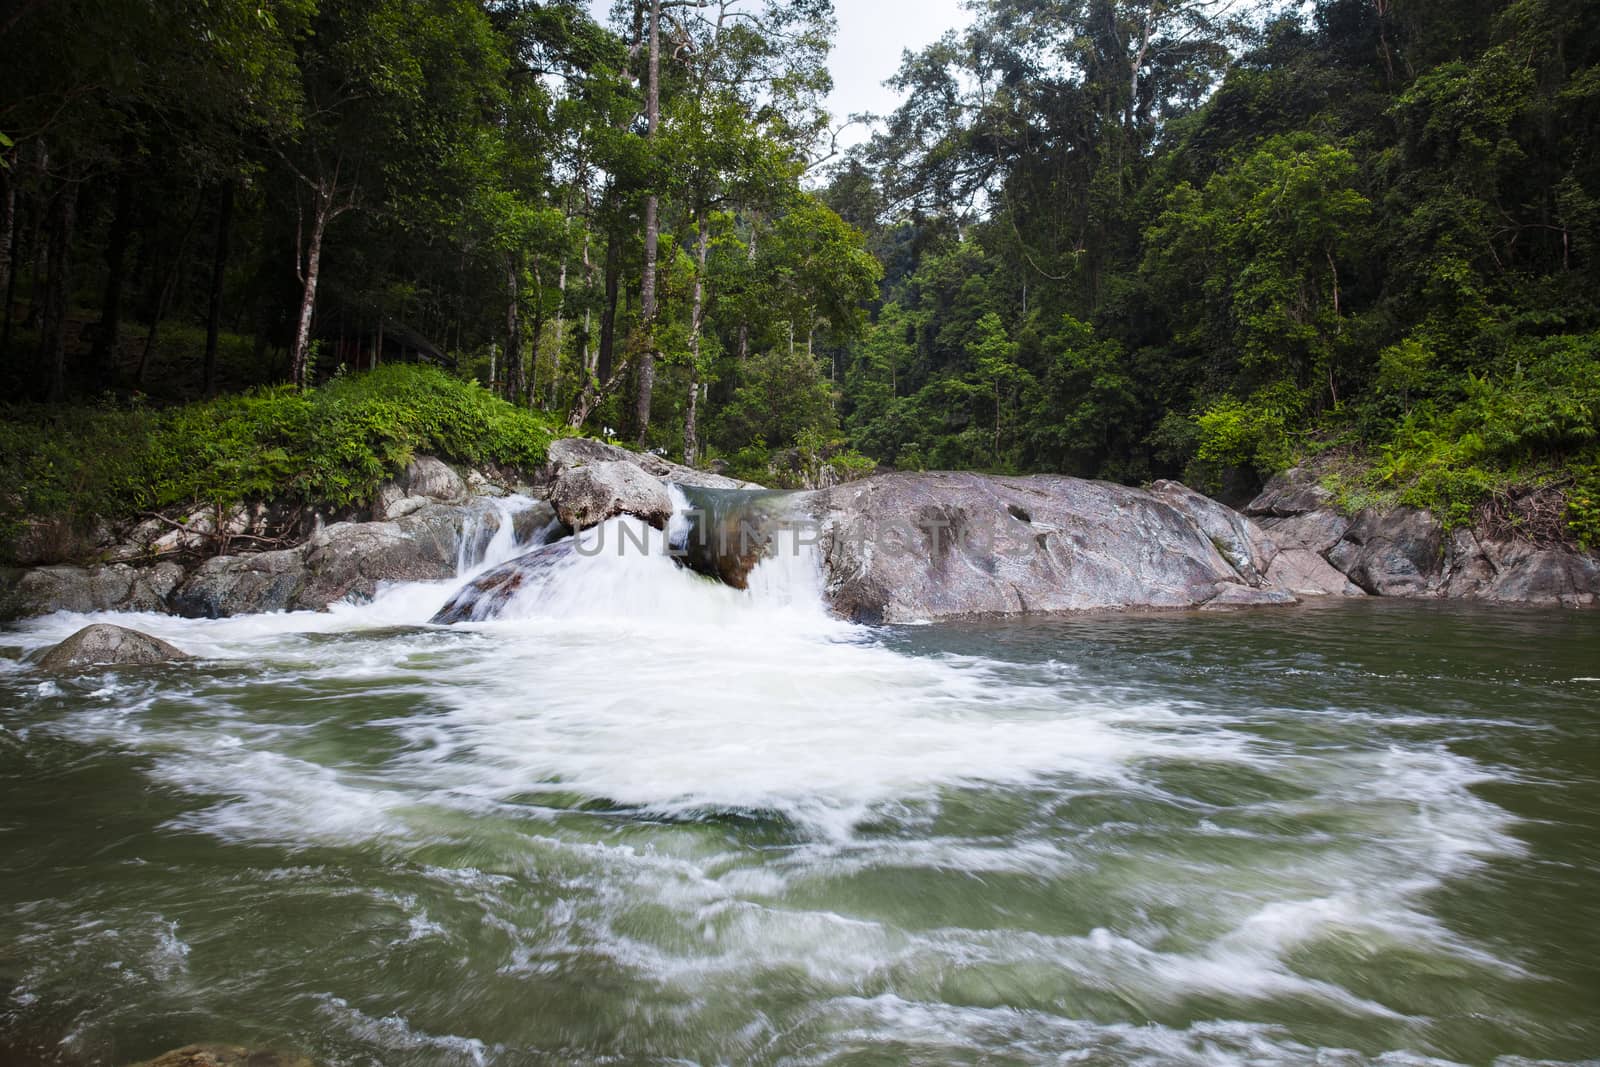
x,y
872,35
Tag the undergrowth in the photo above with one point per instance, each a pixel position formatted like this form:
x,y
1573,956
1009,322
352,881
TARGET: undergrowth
x,y
331,446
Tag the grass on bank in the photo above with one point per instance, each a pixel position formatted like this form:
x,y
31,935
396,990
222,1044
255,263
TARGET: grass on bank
x,y
333,446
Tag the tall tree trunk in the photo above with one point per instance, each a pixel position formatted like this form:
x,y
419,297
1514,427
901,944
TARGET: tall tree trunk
x,y
219,272
514,381
744,324
561,322
652,238
53,323
108,337
691,439
606,356
310,269
587,349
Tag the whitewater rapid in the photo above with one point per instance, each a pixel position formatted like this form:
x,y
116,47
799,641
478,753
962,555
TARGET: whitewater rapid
x,y
709,791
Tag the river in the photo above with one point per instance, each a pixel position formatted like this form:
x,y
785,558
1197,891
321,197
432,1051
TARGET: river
x,y
652,820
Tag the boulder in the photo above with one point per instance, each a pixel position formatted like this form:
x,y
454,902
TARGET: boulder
x,y
349,560
1305,573
589,495
1392,553
1241,542
1292,492
571,452
1531,574
428,477
242,585
727,532
102,644
905,547
1317,530
115,587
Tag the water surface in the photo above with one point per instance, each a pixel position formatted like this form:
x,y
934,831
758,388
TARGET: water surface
x,y
653,820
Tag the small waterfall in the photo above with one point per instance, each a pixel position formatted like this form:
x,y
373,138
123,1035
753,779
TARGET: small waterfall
x,y
509,526
723,555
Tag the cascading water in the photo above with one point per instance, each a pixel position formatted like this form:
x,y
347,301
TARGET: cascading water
x,y
642,816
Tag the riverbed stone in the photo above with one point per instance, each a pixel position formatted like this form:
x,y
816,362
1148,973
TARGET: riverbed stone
x,y
571,452
1235,595
1533,574
1242,543
105,644
1316,530
589,495
1291,492
224,586
224,1056
1392,553
1305,573
905,547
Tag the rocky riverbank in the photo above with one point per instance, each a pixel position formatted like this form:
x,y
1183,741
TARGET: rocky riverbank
x,y
894,547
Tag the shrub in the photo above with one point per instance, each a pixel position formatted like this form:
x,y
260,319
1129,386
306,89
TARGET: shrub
x,y
330,446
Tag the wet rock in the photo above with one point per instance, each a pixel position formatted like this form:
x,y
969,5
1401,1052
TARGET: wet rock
x,y
224,1056
486,596
349,560
1234,595
224,586
116,587
1305,573
1530,574
103,644
589,495
905,547
729,531
1392,553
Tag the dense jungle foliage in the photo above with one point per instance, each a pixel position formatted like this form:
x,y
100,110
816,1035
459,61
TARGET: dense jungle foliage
x,y
1115,238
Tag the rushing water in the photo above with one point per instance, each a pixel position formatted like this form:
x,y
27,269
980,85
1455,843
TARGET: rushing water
x,y
648,819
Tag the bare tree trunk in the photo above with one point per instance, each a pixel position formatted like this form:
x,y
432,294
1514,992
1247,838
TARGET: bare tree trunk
x,y
53,328
586,350
300,351
691,439
219,272
652,237
744,325
560,330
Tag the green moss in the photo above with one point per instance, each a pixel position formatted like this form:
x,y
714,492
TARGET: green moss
x,y
329,446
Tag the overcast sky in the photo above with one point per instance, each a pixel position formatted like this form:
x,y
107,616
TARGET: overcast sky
x,y
872,35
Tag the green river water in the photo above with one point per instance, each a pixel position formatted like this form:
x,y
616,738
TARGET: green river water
x,y
659,825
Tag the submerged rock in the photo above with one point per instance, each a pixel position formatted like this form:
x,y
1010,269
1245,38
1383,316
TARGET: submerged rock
x,y
103,644
486,596
224,1056
907,547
